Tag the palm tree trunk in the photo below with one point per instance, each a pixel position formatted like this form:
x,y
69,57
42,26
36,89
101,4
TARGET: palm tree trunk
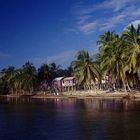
x,y
124,85
128,86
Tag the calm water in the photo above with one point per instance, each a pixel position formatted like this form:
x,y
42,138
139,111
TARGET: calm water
x,y
69,119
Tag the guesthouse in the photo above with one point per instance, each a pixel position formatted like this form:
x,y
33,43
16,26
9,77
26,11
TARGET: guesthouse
x,y
68,83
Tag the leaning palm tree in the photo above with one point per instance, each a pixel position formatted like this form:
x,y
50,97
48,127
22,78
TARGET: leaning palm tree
x,y
85,70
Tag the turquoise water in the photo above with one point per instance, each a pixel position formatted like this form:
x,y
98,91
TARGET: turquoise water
x,y
69,119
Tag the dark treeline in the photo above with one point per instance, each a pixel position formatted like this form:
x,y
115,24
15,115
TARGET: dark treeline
x,y
28,79
118,59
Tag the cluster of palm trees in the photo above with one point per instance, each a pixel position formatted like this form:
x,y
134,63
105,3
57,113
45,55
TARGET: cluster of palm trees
x,y
118,58
27,79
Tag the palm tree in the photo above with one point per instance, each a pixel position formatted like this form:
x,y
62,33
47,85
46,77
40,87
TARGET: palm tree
x,y
132,38
44,73
85,70
29,76
112,57
106,40
8,77
19,81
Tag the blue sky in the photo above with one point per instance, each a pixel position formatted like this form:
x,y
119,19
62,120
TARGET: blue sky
x,y
45,31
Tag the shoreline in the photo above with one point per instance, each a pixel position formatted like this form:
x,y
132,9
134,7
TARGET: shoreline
x,y
81,95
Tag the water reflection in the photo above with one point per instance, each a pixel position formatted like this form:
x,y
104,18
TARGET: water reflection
x,y
70,119
89,104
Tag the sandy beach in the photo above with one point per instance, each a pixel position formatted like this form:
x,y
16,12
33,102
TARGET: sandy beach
x,y
84,95
81,95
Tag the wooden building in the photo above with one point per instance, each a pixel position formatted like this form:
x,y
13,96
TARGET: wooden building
x,y
57,83
68,83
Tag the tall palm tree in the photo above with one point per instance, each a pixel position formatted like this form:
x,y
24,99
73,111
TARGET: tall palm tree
x,y
85,70
112,57
132,38
106,40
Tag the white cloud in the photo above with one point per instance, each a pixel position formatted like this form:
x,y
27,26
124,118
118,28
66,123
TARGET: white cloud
x,y
82,19
114,13
63,58
71,30
88,28
116,5
135,23
126,16
112,22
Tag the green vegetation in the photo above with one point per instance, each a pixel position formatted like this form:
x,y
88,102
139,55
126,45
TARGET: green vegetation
x,y
118,58
85,69
27,79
